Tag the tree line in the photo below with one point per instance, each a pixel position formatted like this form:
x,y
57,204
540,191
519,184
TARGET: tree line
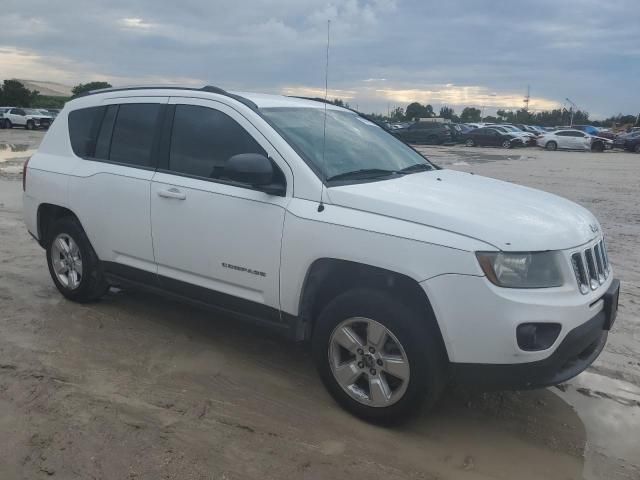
x,y
13,93
545,118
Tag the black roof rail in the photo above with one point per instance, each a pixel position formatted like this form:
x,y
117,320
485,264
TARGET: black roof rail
x,y
206,88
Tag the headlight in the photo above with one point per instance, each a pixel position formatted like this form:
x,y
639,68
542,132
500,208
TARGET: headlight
x,y
522,269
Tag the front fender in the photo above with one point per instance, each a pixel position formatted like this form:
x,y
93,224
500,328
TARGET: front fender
x,y
413,250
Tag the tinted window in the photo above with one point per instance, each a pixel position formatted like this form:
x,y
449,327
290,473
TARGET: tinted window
x,y
103,142
133,133
563,134
83,125
204,139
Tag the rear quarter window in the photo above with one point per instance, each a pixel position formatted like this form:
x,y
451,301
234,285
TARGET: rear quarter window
x,y
83,127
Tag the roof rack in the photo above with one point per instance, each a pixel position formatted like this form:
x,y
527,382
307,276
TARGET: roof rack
x,y
206,88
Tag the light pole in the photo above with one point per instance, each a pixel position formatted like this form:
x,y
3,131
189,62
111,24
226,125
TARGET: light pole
x,y
573,106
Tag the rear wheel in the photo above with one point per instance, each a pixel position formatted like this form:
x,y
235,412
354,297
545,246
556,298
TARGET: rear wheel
x,y
30,125
506,144
637,148
378,357
470,142
551,145
73,264
8,124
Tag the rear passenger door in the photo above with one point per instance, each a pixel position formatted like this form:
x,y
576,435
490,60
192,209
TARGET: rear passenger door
x,y
216,241
110,189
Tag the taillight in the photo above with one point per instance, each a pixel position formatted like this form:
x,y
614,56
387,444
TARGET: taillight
x,y
24,175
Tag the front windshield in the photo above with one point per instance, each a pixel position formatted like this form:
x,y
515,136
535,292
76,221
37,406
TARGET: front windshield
x,y
352,143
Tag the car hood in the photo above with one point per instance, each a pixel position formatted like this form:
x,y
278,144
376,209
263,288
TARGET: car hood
x,y
507,216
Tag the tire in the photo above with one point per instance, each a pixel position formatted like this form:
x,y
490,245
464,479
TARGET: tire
x,y
597,147
637,148
424,368
90,283
506,144
30,125
8,124
551,145
470,142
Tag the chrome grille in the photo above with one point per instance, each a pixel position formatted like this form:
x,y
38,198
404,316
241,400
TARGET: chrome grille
x,y
591,267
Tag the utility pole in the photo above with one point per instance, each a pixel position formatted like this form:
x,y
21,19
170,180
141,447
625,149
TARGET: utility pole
x,y
527,98
573,107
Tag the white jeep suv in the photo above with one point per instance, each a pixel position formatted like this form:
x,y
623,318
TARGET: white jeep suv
x,y
314,220
28,118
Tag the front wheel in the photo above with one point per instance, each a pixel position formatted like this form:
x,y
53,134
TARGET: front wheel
x,y
30,125
637,148
506,144
8,124
73,264
378,357
551,146
470,142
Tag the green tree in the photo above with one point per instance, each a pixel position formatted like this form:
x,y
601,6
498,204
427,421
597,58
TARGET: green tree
x,y
397,114
447,112
470,114
415,110
49,101
87,87
14,93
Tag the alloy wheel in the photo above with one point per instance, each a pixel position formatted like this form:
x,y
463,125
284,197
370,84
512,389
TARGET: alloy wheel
x,y
67,261
368,362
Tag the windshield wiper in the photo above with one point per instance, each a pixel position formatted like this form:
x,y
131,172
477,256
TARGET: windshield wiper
x,y
362,173
417,167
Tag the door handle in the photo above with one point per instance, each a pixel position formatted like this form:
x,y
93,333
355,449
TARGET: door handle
x,y
172,193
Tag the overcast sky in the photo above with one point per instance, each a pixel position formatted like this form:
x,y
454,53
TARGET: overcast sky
x,y
383,53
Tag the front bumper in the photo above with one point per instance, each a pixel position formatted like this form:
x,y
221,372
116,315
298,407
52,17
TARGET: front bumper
x,y
579,348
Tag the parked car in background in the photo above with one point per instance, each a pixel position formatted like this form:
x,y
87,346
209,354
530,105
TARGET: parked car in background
x,y
492,137
595,131
628,141
531,129
424,132
527,137
456,132
573,140
3,110
47,112
26,117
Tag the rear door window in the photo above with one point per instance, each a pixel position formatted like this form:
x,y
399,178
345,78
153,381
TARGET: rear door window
x,y
133,134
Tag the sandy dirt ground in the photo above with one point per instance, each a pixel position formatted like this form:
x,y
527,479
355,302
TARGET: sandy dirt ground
x,y
140,387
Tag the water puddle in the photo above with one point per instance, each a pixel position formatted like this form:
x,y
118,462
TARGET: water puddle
x,y
13,151
610,411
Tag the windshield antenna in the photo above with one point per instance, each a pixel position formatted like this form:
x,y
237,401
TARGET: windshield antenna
x,y
324,126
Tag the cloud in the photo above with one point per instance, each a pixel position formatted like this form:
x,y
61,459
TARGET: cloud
x,y
465,95
381,51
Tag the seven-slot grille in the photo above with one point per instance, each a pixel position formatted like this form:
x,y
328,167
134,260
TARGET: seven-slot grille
x,y
591,267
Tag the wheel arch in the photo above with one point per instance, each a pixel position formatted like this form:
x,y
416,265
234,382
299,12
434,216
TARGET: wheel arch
x,y
328,277
48,214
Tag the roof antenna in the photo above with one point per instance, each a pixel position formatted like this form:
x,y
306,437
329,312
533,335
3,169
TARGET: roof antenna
x,y
324,126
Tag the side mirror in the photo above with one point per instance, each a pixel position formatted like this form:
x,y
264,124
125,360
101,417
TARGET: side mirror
x,y
253,169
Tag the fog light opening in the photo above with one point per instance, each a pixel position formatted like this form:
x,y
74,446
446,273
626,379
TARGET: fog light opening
x,y
537,336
